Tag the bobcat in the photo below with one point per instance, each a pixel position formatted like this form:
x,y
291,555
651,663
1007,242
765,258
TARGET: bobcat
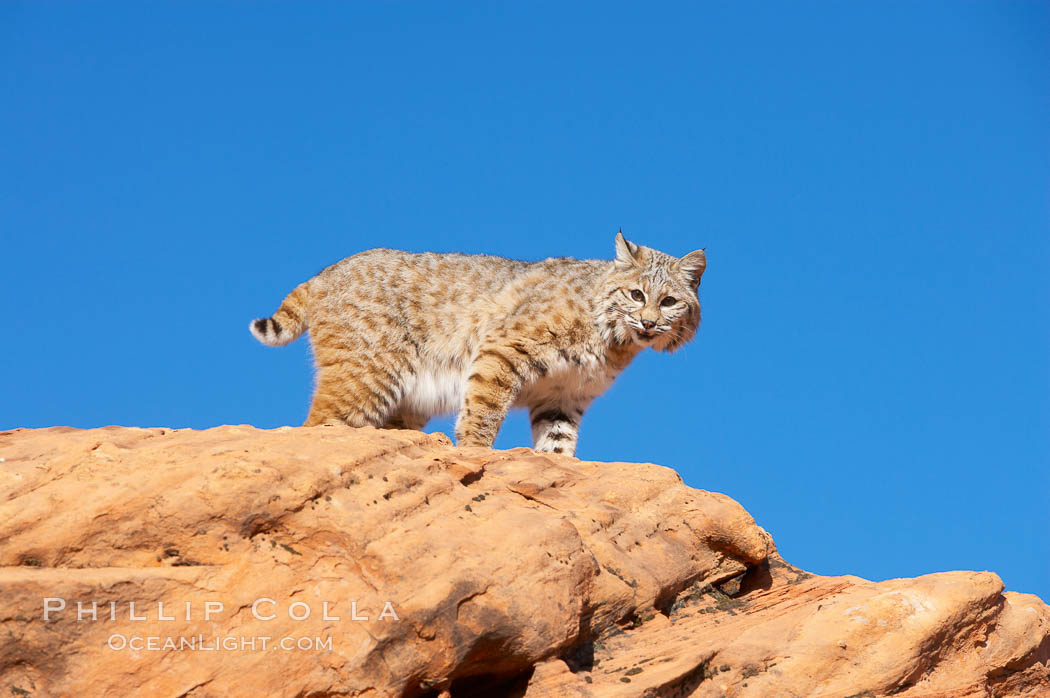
x,y
400,337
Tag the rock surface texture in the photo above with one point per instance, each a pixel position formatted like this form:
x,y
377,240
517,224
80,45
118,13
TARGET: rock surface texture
x,y
390,563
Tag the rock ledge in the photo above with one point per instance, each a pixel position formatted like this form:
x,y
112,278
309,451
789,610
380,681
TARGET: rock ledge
x,y
398,565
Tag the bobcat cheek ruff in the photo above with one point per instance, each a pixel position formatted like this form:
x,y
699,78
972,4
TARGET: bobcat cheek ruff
x,y
399,337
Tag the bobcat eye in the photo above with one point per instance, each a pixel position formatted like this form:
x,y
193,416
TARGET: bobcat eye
x,y
638,296
668,301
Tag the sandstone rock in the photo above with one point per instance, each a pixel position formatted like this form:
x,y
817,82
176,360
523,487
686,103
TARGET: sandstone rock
x,y
788,633
429,570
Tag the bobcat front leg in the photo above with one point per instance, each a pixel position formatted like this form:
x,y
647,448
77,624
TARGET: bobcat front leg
x,y
555,428
497,376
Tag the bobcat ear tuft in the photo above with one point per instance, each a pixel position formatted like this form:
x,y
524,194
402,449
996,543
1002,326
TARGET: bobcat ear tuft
x,y
626,252
693,265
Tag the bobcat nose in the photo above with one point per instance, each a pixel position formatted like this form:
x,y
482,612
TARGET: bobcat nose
x,y
648,324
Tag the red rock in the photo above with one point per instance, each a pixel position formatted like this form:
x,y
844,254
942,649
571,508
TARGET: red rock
x,y
507,570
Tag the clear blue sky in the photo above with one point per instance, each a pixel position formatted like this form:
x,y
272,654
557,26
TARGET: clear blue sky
x,y
871,182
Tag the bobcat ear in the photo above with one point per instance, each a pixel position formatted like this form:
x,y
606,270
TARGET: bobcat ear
x,y
626,252
693,265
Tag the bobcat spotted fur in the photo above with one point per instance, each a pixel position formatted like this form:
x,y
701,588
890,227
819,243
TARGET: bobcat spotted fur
x,y
399,337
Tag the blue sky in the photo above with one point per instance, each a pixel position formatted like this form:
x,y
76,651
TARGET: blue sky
x,y
871,182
